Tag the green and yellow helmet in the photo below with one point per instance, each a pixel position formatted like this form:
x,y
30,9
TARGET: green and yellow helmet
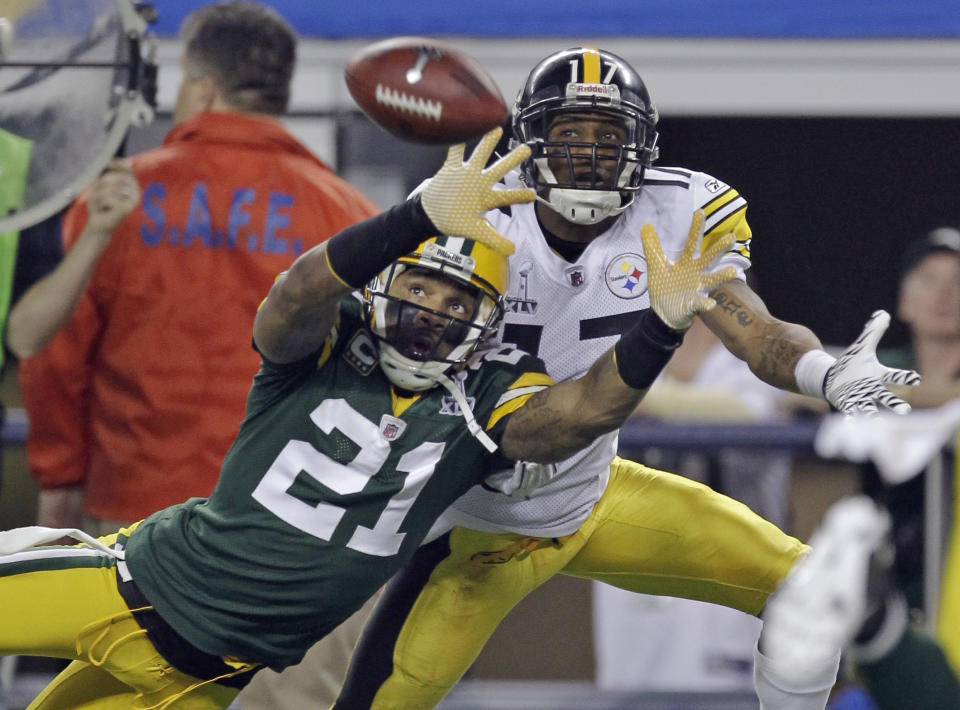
x,y
467,263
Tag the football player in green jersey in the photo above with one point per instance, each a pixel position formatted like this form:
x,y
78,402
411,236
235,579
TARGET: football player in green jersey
x,y
369,416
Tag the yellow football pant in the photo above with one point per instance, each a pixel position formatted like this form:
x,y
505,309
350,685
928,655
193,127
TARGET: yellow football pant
x,y
63,602
651,532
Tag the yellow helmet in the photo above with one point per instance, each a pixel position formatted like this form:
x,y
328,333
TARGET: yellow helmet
x,y
467,263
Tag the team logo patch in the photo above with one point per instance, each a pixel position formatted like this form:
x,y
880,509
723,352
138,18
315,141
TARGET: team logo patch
x,y
391,428
626,276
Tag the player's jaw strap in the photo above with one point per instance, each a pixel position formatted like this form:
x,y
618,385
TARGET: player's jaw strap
x,y
467,413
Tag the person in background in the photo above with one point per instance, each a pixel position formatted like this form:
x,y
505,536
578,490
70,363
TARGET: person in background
x,y
846,592
136,349
868,567
928,305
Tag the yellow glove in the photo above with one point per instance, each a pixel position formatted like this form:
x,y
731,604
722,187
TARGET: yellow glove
x,y
458,196
678,291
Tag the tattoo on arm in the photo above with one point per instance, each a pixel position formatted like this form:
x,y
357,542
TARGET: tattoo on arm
x,y
729,305
537,419
771,347
780,351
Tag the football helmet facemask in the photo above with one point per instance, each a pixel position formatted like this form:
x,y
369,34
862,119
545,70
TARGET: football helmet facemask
x,y
412,356
591,84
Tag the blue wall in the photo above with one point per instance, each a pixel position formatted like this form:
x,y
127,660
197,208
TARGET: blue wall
x,y
841,19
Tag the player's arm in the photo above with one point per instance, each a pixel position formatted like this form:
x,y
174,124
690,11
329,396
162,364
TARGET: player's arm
x,y
48,304
789,356
770,346
559,421
300,309
301,306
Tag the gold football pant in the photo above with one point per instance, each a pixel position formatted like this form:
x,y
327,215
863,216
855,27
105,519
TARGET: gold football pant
x,y
63,602
651,532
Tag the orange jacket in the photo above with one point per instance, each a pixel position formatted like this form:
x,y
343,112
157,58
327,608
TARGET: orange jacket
x,y
139,396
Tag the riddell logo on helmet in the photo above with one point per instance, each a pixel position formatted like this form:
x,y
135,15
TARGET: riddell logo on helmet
x,y
606,91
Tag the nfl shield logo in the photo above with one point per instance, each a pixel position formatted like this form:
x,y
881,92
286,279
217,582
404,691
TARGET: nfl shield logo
x,y
391,428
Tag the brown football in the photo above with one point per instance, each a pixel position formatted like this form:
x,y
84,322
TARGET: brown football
x,y
425,91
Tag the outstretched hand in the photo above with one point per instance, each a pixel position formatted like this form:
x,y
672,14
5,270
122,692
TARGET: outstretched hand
x,y
857,382
678,291
459,195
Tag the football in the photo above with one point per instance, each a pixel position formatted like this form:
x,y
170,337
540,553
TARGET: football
x,y
425,91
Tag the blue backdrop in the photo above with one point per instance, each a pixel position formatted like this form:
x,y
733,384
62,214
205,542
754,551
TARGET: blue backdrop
x,y
840,19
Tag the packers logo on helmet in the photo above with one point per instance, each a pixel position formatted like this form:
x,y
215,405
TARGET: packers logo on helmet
x,y
582,83
412,359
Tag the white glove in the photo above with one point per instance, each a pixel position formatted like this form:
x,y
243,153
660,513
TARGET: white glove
x,y
459,195
856,382
522,479
678,291
899,446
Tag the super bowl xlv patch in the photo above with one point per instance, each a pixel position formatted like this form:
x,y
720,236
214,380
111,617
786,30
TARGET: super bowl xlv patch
x,y
626,275
520,300
449,406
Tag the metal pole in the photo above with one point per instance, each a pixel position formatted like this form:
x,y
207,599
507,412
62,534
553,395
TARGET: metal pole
x,y
933,539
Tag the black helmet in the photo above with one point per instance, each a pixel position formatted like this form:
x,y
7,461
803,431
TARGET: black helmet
x,y
586,80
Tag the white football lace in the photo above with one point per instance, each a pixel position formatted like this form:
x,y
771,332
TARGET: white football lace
x,y
399,100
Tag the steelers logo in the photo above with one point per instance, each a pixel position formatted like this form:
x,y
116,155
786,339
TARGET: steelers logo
x,y
626,276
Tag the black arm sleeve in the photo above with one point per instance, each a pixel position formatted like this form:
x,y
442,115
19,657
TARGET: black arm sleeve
x,y
363,250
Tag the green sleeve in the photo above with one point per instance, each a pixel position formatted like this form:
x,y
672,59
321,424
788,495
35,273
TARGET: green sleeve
x,y
14,162
915,675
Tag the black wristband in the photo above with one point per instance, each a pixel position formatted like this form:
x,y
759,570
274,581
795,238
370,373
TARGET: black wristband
x,y
361,251
644,349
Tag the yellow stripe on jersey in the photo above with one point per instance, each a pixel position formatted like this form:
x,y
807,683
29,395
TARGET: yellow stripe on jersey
x,y
327,349
522,389
591,65
275,279
400,403
735,222
330,341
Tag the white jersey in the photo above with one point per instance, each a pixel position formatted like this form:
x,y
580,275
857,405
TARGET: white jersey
x,y
568,314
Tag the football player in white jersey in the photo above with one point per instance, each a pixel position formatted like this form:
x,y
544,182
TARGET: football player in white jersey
x,y
578,276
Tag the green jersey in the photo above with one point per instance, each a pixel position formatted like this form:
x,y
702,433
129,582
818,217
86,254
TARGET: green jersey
x,y
331,484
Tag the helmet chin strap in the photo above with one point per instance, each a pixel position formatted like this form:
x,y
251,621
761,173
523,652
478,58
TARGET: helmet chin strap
x,y
584,206
467,413
581,206
420,381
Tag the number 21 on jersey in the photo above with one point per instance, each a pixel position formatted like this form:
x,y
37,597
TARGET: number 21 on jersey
x,y
322,519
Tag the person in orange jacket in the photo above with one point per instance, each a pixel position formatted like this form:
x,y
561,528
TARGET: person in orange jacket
x,y
134,401
135,352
